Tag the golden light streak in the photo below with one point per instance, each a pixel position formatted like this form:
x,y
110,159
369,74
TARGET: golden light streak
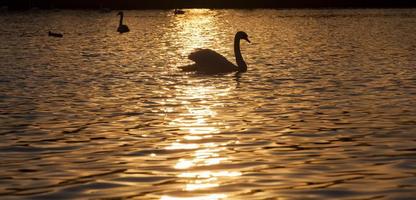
x,y
207,197
194,123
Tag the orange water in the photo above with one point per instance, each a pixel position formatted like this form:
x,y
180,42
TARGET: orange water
x,y
325,111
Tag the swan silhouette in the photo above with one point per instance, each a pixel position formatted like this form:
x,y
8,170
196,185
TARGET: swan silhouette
x,y
208,61
121,27
51,34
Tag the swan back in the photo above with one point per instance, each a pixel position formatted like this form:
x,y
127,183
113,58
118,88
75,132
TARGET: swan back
x,y
210,61
123,29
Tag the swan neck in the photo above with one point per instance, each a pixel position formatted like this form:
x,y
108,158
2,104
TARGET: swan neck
x,y
242,66
121,19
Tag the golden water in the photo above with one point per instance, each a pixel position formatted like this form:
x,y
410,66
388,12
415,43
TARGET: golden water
x,y
325,111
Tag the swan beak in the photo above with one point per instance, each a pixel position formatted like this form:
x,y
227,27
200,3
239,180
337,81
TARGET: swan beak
x,y
246,39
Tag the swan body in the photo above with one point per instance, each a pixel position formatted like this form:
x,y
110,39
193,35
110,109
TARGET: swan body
x,y
178,12
122,28
51,34
210,62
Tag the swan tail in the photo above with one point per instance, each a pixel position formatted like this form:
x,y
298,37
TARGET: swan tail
x,y
189,68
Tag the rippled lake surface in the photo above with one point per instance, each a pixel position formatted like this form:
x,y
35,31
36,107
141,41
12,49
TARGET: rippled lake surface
x,y
326,109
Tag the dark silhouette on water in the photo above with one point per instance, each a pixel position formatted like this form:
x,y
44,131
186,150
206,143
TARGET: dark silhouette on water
x,y
178,12
208,61
52,34
104,9
121,27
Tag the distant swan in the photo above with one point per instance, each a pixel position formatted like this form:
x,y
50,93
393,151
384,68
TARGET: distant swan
x,y
121,27
51,34
178,12
210,62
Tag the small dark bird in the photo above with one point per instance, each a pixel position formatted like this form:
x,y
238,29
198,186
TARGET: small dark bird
x,y
178,12
121,27
51,34
105,10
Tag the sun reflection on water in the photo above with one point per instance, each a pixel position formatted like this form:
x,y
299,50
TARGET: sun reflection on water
x,y
200,171
207,197
197,134
196,28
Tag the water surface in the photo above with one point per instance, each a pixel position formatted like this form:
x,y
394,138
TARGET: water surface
x,y
325,111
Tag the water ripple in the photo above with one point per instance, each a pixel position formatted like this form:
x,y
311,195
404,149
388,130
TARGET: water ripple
x,y
326,109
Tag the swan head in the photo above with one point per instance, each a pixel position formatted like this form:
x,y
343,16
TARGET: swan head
x,y
120,13
242,36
